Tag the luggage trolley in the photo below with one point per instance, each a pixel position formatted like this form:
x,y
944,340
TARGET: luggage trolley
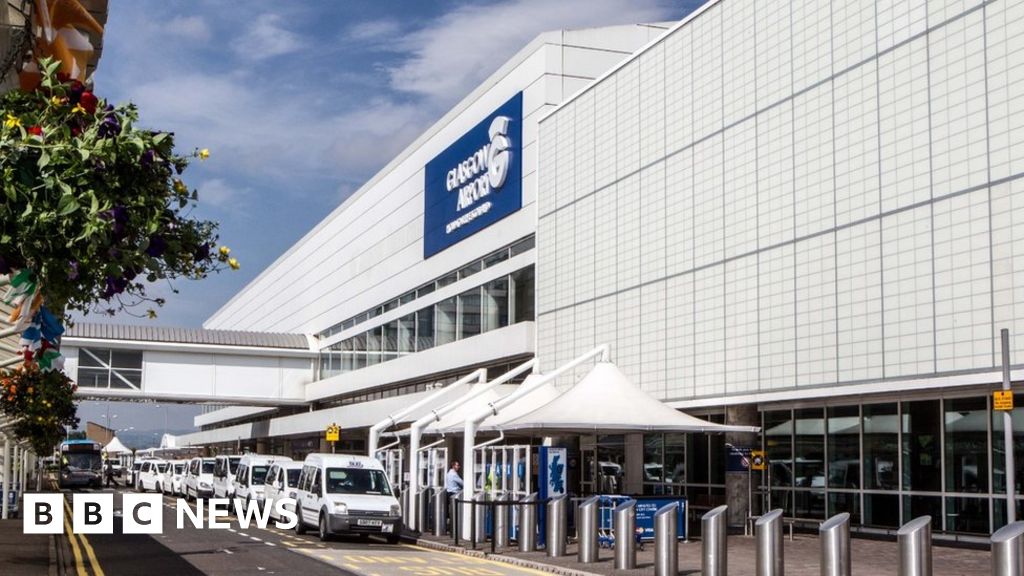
x,y
606,522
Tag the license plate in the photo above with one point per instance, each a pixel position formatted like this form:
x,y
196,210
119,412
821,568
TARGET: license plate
x,y
362,522
386,528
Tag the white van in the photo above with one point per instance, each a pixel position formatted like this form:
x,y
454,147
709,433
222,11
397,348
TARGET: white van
x,y
199,479
150,474
252,471
282,482
347,494
224,476
173,477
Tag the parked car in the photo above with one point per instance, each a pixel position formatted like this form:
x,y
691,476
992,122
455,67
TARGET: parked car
x,y
347,494
224,472
252,471
150,474
173,475
282,481
199,478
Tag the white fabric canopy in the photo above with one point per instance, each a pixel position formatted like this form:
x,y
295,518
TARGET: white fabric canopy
x,y
455,420
605,400
544,394
116,447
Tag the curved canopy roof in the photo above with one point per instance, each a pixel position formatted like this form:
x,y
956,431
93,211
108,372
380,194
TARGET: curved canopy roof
x,y
606,400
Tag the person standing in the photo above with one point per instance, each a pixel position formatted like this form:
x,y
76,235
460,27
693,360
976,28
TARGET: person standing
x,y
452,486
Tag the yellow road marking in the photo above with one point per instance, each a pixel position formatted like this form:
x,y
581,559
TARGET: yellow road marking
x,y
470,560
93,562
79,567
287,543
325,556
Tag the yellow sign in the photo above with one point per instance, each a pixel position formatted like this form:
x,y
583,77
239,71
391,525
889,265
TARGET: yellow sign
x,y
758,460
1002,400
333,433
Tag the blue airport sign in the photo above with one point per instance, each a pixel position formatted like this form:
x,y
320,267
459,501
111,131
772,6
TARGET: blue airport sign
x,y
476,181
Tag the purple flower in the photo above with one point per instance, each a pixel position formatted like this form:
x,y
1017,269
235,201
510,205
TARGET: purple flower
x,y
73,270
109,127
202,252
114,253
147,158
157,246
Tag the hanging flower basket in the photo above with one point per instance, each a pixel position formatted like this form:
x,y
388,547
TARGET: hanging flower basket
x,y
40,403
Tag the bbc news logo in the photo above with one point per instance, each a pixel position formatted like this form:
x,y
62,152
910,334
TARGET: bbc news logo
x,y
144,514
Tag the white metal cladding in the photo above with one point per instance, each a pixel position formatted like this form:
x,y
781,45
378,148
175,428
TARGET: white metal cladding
x,y
778,196
369,249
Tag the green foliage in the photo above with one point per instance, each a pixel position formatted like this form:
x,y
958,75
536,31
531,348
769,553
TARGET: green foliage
x,y
40,403
91,203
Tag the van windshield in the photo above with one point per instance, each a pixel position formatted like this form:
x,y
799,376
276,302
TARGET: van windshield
x,y
208,466
356,481
179,468
293,477
233,464
259,474
161,467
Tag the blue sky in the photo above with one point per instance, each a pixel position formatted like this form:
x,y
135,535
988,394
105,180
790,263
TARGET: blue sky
x,y
301,102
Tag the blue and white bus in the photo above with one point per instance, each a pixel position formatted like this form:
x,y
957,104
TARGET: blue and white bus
x,y
81,464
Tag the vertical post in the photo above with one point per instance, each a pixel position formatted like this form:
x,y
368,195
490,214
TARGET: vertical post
x,y
501,515
457,515
714,542
768,533
666,540
914,544
586,520
422,498
6,478
557,526
479,518
528,523
1011,473
440,511
834,535
625,535
1008,550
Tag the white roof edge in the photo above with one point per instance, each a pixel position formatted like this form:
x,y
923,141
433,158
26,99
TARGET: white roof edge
x,y
549,37
689,17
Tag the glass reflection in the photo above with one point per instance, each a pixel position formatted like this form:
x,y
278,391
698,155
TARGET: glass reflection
x,y
778,443
967,515
882,510
844,447
967,445
881,447
998,444
922,461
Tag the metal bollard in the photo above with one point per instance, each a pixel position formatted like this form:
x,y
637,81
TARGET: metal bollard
x,y
834,535
666,540
500,536
557,526
458,515
406,506
714,542
480,517
625,535
528,523
440,511
914,544
422,506
768,532
586,519
1008,550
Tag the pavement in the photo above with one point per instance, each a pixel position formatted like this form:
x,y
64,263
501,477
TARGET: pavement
x,y
24,554
870,558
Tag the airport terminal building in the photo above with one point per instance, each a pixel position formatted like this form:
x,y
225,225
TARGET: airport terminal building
x,y
805,216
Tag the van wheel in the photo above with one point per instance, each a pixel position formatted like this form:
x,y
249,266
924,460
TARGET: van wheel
x,y
300,528
324,534
393,538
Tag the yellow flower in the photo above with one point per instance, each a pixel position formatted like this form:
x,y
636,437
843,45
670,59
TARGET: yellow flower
x,y
151,313
204,153
56,101
180,187
234,264
224,250
12,121
78,109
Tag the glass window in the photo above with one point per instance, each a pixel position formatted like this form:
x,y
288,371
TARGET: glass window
x,y
809,441
675,458
522,290
497,257
447,279
424,290
998,447
425,328
654,470
916,506
349,323
922,458
881,510
523,245
407,334
407,297
94,358
446,321
697,458
967,515
845,502
778,445
611,462
495,312
126,359
470,269
390,340
359,351
93,377
469,313
966,422
346,355
881,448
844,447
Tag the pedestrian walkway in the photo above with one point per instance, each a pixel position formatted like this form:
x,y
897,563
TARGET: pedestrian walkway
x,y
870,558
23,554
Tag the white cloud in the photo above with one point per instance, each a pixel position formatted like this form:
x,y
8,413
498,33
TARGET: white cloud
x,y
220,193
266,38
453,53
191,27
374,31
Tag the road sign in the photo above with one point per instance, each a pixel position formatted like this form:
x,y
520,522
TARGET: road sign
x,y
333,433
758,460
1002,400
